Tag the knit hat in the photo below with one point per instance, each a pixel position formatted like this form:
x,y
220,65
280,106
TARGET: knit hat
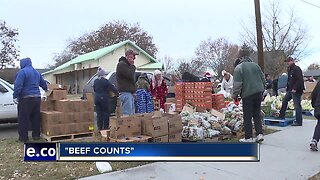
x,y
207,74
156,72
101,72
245,51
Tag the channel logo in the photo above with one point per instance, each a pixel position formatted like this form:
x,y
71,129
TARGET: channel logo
x,y
40,152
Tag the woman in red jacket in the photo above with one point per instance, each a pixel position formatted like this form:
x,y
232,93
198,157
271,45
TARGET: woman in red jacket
x,y
158,87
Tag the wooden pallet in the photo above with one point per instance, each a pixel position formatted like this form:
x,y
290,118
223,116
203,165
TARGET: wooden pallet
x,y
67,137
270,121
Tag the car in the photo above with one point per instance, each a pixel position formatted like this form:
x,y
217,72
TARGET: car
x,y
111,76
8,109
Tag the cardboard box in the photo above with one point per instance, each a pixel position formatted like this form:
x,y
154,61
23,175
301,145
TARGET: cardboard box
x,y
155,127
54,86
142,138
125,127
71,117
160,139
309,86
53,130
87,116
123,140
177,137
70,128
47,105
84,127
67,105
51,117
170,100
56,94
84,106
90,100
174,124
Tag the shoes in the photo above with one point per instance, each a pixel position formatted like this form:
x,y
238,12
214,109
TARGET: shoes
x,y
247,140
313,145
259,138
296,124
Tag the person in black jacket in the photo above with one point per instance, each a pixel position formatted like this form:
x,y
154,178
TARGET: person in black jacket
x,y
315,101
102,87
295,87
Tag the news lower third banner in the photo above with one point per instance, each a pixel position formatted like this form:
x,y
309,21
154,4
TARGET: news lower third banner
x,y
232,152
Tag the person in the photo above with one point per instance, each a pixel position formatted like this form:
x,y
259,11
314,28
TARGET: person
x,y
125,75
282,83
159,88
249,83
311,79
268,84
102,87
206,78
315,101
27,95
144,100
275,87
227,82
295,87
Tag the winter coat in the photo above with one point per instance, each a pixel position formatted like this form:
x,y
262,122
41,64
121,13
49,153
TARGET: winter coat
x,y
295,79
28,81
227,85
144,101
160,92
248,79
315,100
125,75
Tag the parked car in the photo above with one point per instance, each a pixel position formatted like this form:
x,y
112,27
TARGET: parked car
x,y
8,109
111,76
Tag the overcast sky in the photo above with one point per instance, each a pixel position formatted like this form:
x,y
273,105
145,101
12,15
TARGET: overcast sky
x,y
177,26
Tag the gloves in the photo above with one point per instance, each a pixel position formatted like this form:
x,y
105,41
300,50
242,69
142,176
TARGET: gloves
x,y
15,100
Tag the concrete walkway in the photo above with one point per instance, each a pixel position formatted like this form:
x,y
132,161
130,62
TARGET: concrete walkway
x,y
284,155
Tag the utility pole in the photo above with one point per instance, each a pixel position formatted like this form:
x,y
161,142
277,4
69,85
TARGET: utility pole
x,y
259,34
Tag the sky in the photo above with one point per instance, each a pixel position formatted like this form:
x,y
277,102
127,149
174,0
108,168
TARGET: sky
x,y
177,26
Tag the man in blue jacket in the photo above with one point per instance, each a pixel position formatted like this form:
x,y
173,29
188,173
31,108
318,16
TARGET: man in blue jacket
x,y
27,95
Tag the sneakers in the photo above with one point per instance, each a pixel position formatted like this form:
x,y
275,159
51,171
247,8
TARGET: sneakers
x,y
259,138
313,145
247,140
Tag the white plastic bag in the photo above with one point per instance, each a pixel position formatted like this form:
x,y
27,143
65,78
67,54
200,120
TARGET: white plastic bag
x,y
103,167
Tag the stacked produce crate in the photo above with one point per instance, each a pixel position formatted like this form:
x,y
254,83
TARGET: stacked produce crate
x,y
179,96
202,95
218,101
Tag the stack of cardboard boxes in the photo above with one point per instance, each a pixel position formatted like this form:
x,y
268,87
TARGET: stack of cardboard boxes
x,y
151,127
61,116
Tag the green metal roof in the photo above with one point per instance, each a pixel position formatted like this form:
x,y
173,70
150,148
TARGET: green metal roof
x,y
94,55
158,65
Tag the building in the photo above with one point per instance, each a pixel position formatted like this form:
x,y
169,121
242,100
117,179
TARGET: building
x,y
75,73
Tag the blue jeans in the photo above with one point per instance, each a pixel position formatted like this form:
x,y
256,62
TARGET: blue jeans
x,y
297,105
127,103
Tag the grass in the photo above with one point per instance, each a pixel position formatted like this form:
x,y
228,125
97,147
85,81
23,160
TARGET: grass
x,y
13,166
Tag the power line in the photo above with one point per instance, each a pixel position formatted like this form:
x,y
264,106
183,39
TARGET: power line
x,y
310,3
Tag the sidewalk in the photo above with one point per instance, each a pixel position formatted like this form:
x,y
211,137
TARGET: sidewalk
x,y
283,155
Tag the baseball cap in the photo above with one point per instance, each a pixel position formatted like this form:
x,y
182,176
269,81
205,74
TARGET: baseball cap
x,y
130,51
289,59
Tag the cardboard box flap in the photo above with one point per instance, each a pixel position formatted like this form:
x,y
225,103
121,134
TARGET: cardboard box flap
x,y
217,114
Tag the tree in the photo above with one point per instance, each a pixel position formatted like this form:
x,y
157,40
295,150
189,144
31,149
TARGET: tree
x,y
9,53
218,54
108,34
314,66
168,64
283,35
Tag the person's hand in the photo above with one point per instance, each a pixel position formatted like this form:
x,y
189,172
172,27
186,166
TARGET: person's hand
x,y
293,90
15,100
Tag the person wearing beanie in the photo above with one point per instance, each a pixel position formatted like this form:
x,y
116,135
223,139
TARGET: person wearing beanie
x,y
102,87
159,88
27,95
125,74
249,84
206,78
